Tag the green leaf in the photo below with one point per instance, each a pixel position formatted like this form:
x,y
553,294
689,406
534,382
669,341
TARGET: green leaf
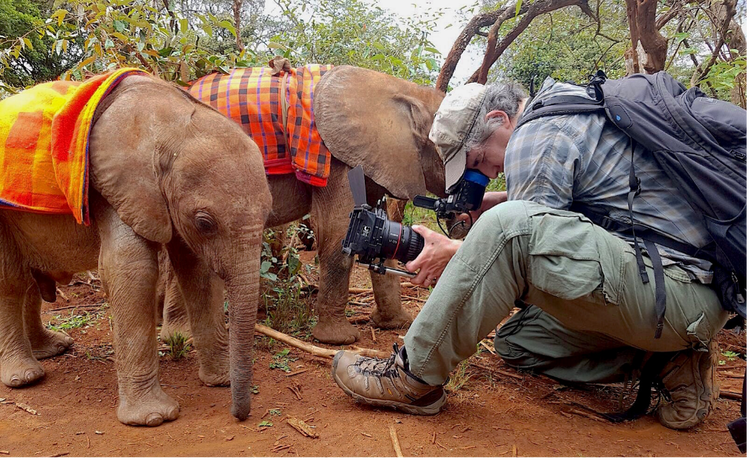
x,y
109,44
119,26
681,36
265,266
27,42
265,423
518,6
432,50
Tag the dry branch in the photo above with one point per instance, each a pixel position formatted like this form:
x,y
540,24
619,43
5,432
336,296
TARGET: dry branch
x,y
394,439
302,427
312,349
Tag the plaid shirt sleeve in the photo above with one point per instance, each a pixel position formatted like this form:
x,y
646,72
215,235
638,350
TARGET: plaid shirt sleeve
x,y
541,163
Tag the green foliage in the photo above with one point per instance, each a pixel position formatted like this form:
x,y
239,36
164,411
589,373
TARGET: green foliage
x,y
265,423
73,321
565,45
27,56
354,32
288,309
281,361
178,346
459,377
723,75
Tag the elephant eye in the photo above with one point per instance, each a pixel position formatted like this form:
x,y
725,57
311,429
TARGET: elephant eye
x,y
204,223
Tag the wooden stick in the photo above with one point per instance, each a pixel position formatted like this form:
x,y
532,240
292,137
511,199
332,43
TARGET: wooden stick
x,y
394,439
312,349
730,395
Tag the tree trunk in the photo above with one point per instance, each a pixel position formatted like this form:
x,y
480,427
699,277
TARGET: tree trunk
x,y
644,32
237,10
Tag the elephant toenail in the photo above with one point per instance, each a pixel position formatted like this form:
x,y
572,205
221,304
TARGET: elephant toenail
x,y
154,420
15,381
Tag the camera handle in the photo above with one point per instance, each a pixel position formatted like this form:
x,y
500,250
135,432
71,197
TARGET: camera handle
x,y
382,269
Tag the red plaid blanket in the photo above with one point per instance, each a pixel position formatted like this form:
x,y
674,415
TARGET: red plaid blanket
x,y
256,99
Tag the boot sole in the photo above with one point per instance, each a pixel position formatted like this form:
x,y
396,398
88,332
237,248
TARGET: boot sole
x,y
432,409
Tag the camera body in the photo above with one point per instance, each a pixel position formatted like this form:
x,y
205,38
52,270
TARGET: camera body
x,y
467,197
375,239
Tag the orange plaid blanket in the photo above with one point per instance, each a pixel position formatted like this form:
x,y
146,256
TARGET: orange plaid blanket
x,y
44,134
256,99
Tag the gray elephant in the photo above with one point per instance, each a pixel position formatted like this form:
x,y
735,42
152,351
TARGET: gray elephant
x,y
167,170
364,118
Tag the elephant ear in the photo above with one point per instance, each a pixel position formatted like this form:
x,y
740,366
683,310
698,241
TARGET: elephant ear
x,y
124,154
380,122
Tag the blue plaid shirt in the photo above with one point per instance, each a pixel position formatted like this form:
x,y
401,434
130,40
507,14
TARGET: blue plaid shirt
x,y
557,160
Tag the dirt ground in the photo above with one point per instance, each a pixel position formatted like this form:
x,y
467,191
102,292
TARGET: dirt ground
x,y
495,411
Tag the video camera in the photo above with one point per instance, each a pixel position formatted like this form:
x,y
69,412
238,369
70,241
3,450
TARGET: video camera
x,y
375,239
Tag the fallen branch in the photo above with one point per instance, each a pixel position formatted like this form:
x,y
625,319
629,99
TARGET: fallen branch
x,y
730,395
394,439
312,349
302,427
62,294
83,307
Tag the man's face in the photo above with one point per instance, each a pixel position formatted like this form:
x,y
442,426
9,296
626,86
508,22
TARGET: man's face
x,y
489,158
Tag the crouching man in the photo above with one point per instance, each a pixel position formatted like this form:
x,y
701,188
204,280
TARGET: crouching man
x,y
587,315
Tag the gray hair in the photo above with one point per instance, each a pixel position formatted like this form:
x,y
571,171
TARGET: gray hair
x,y
500,96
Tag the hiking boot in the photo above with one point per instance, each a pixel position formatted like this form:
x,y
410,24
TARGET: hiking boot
x,y
386,383
690,388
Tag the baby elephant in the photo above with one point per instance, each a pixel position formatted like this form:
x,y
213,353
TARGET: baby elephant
x,y
162,169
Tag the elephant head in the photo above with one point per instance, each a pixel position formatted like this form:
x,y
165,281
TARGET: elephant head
x,y
176,170
382,123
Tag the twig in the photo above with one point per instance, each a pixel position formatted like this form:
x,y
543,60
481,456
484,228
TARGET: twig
x,y
584,414
297,373
498,371
394,439
62,294
413,298
487,347
312,349
302,427
373,334
359,304
70,307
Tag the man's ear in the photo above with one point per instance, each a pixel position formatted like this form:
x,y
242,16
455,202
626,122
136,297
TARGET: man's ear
x,y
498,114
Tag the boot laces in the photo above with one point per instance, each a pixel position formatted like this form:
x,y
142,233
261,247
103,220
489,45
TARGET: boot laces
x,y
378,367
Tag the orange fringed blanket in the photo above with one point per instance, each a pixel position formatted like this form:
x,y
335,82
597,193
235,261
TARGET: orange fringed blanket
x,y
44,134
256,99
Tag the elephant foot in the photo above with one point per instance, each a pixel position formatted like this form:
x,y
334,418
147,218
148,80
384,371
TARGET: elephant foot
x,y
216,374
51,343
401,320
17,373
151,409
335,332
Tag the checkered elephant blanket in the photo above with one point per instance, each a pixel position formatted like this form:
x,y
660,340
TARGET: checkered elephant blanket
x,y
276,110
44,150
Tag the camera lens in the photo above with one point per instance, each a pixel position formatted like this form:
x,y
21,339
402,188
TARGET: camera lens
x,y
401,242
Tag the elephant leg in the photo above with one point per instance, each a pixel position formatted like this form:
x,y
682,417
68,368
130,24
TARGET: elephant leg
x,y
175,317
201,296
44,342
389,313
18,367
331,206
129,271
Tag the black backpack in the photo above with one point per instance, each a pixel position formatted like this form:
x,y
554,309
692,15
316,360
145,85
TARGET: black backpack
x,y
700,143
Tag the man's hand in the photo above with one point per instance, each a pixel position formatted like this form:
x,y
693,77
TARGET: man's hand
x,y
437,252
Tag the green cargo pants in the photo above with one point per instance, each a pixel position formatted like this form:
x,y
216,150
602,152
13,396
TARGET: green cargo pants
x,y
580,274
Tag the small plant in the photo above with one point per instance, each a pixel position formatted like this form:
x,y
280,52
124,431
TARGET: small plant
x,y
281,361
458,377
74,321
178,346
265,423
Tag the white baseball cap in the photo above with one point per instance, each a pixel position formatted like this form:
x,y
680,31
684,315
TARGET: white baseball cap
x,y
454,120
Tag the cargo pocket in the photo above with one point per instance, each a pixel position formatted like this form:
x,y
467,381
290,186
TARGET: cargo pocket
x,y
699,333
565,259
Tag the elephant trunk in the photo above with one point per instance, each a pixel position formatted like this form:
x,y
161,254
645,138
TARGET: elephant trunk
x,y
242,294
